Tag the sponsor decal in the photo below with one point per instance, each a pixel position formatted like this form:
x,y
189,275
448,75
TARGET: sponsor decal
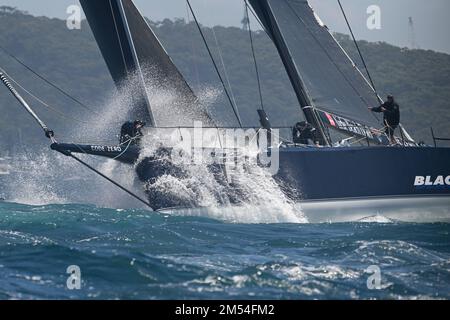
x,y
106,148
98,148
431,181
330,119
347,125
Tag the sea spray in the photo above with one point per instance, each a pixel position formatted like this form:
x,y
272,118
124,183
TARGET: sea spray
x,y
50,178
238,193
53,178
33,180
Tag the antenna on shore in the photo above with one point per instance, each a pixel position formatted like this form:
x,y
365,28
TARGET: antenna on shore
x,y
245,20
412,34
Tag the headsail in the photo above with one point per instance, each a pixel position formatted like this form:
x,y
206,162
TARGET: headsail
x,y
321,73
132,51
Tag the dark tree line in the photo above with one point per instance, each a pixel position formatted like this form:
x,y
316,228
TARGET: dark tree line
x,y
419,79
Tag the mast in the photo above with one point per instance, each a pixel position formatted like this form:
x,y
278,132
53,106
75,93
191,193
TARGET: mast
x,y
331,90
269,20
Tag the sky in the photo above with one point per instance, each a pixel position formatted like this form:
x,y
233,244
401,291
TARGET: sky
x,y
430,17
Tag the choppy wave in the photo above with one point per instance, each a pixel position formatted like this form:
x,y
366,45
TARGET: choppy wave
x,y
127,254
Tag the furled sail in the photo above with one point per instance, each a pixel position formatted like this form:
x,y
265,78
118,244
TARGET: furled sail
x,y
136,58
321,73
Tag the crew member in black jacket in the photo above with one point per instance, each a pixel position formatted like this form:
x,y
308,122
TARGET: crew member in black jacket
x,y
131,132
303,132
391,115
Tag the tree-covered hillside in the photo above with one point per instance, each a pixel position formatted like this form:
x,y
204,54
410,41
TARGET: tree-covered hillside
x,y
419,79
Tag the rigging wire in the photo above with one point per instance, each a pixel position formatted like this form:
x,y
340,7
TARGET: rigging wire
x,y
254,55
55,110
257,18
236,113
195,65
50,134
327,54
227,78
359,50
109,179
223,66
65,93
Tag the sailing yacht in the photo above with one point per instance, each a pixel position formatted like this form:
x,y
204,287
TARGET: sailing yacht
x,y
333,95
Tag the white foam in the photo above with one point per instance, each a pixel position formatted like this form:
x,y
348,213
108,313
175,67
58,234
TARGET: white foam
x,y
53,178
243,214
378,218
32,181
259,198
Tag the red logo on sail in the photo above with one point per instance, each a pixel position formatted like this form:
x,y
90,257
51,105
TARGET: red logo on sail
x,y
330,119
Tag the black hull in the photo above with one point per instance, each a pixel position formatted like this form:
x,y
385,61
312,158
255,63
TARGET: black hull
x,y
320,179
355,173
311,175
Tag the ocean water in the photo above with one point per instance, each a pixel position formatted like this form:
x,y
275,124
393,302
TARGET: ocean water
x,y
266,249
138,254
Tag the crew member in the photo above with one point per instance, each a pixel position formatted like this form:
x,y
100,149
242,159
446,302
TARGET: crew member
x,y
391,116
131,132
303,133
